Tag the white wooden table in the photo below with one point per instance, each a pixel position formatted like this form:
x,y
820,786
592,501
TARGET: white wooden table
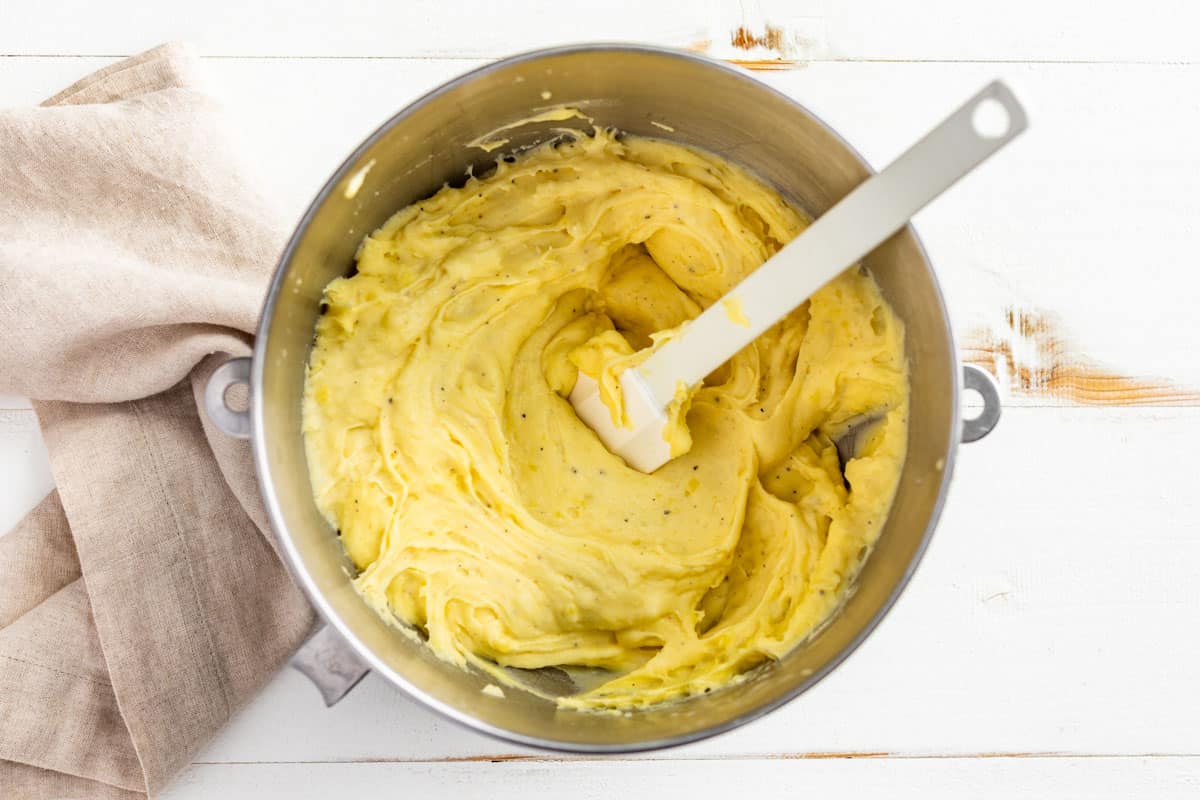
x,y
1048,646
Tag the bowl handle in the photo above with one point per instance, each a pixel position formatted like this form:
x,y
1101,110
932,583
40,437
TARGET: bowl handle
x,y
325,659
330,663
981,381
232,421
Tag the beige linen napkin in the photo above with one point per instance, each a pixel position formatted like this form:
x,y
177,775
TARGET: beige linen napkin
x,y
143,602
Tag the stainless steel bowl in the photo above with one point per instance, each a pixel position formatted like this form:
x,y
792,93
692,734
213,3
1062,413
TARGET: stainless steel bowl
x,y
638,90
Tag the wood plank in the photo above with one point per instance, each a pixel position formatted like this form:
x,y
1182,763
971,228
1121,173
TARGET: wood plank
x,y
901,779
1052,611
1158,31
1093,195
948,30
1054,227
24,469
418,28
13,402
1049,615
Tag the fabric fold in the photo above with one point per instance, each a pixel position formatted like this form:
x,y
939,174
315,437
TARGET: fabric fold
x,y
143,603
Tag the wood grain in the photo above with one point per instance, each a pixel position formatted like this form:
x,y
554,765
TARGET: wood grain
x,y
772,38
766,64
1032,356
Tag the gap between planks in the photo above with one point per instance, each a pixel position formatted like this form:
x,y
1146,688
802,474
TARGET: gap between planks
x,y
832,756
765,64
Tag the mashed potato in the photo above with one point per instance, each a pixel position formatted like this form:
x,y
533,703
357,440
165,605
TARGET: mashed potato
x,y
482,512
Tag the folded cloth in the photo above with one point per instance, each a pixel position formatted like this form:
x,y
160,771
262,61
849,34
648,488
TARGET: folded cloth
x,y
143,602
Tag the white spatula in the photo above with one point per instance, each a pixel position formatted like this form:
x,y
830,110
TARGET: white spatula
x,y
876,209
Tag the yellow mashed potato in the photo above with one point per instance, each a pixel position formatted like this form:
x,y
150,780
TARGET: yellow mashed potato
x,y
482,512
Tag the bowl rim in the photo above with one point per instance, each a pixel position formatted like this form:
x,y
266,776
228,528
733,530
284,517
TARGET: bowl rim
x,y
293,558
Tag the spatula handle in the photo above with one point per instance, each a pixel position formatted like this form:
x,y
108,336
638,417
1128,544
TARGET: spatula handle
x,y
874,210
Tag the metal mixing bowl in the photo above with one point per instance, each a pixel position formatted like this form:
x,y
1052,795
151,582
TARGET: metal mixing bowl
x,y
695,101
